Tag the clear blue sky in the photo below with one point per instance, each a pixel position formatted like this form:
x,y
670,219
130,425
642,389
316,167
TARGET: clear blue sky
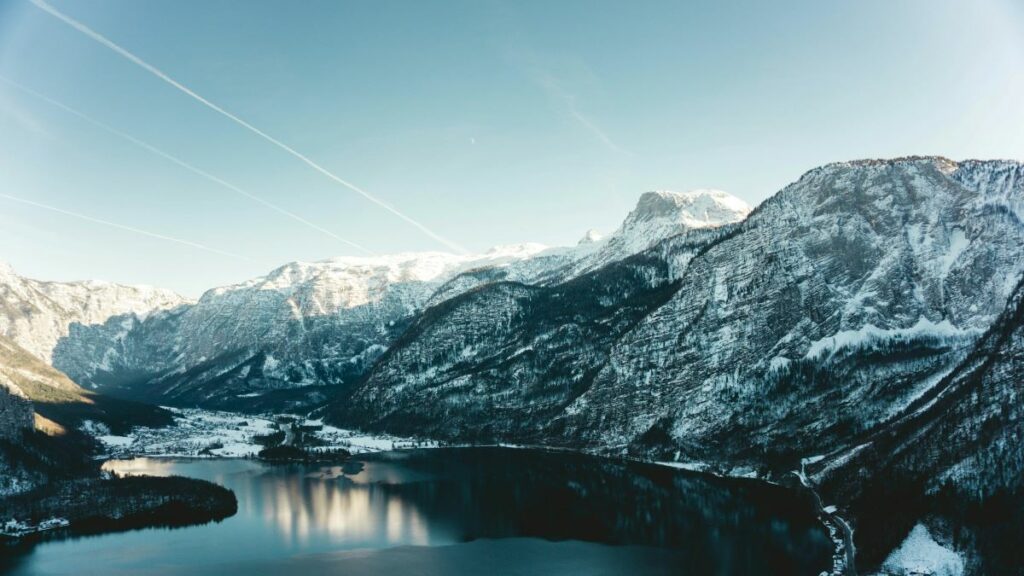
x,y
489,122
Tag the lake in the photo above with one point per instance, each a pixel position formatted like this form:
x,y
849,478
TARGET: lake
x,y
497,511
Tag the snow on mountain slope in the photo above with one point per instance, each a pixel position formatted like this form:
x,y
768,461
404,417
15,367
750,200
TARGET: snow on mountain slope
x,y
657,216
318,288
920,554
875,247
36,314
953,459
1000,183
661,214
303,325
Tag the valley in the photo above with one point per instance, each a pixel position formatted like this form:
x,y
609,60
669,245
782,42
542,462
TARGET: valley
x,y
862,323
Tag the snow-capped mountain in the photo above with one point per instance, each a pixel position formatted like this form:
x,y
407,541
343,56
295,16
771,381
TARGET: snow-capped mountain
x,y
662,214
286,338
320,288
303,325
917,256
657,216
356,295
37,314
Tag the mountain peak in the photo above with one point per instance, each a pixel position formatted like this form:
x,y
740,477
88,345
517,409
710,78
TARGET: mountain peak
x,y
704,208
591,237
6,270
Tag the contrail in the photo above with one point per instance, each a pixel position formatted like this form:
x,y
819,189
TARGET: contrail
x,y
551,85
594,128
179,162
128,228
41,4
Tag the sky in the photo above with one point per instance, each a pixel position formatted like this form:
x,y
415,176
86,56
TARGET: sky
x,y
348,127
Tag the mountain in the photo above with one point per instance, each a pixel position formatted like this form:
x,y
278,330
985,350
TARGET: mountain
x,y
663,214
44,415
37,314
856,261
859,285
503,360
842,304
288,339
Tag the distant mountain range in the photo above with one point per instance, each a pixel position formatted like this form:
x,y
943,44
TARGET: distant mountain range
x,y
290,339
37,314
862,325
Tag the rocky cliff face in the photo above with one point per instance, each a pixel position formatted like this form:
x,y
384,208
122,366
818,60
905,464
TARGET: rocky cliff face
x,y
960,428
859,285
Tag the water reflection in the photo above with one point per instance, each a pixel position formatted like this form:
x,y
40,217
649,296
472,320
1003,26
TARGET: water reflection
x,y
350,506
438,497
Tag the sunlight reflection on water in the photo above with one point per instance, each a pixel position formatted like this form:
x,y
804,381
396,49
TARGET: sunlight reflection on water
x,y
324,501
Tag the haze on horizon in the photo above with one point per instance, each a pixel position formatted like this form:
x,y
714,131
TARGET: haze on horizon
x,y
455,125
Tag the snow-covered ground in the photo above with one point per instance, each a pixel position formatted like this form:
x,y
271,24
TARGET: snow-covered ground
x,y
921,555
691,466
15,529
707,468
231,435
361,443
869,333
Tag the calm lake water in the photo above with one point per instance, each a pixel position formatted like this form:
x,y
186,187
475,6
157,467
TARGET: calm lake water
x,y
460,511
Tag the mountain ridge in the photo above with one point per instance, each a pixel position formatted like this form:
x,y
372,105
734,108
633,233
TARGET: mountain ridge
x,y
284,337
37,313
